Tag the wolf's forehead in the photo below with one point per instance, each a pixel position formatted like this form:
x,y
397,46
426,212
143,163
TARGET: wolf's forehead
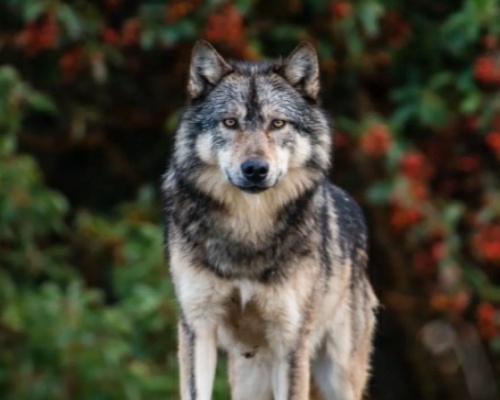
x,y
260,94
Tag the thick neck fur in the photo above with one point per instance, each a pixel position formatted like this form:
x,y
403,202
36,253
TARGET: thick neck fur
x,y
242,235
251,216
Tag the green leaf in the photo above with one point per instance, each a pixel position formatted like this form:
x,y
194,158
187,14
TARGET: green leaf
x,y
471,102
369,13
452,213
379,192
182,30
405,93
452,32
394,154
42,103
33,9
433,111
148,39
317,6
8,144
404,114
495,345
70,20
465,81
348,126
8,75
287,32
491,293
440,80
244,6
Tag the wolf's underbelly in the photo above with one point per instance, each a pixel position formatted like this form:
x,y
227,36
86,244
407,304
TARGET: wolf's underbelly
x,y
248,327
243,330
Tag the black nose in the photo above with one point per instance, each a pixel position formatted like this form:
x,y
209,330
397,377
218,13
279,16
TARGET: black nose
x,y
255,169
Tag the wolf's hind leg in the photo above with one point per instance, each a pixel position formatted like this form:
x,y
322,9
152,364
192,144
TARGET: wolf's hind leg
x,y
342,364
291,374
332,378
250,377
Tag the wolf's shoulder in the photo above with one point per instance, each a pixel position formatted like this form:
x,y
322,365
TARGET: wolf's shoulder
x,y
350,221
345,205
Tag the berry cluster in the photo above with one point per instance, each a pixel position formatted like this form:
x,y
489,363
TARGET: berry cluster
x,y
226,27
376,141
487,70
40,35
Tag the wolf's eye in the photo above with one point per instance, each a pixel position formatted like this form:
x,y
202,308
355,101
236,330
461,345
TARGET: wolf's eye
x,y
230,123
278,123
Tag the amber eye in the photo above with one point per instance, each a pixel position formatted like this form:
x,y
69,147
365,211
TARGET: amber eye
x,y
278,123
230,123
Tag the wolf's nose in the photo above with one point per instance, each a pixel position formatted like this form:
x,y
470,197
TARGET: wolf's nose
x,y
255,169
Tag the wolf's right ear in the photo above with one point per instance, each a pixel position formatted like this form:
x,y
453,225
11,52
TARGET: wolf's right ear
x,y
301,69
207,68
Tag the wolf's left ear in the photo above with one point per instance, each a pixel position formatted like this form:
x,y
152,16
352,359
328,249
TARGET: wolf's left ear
x,y
301,69
207,68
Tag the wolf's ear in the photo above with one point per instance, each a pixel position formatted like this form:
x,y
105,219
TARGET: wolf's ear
x,y
301,69
207,68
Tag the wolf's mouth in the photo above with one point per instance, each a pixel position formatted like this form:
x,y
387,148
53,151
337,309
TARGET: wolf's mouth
x,y
253,189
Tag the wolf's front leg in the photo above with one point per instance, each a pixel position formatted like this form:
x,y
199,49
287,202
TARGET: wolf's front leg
x,y
198,359
202,297
290,375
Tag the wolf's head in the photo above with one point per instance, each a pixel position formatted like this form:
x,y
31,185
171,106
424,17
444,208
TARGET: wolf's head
x,y
253,126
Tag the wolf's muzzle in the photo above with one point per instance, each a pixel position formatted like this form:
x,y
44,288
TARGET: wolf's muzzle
x,y
255,170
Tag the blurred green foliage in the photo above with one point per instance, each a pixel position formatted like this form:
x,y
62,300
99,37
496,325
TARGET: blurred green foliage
x,y
60,337
90,95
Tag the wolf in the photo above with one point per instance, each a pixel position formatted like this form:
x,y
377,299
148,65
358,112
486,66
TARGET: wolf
x,y
267,257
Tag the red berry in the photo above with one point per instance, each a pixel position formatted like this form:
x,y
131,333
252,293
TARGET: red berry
x,y
487,243
376,141
341,9
487,70
493,142
415,166
110,36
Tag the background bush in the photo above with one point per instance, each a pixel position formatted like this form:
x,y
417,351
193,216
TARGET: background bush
x,y
90,94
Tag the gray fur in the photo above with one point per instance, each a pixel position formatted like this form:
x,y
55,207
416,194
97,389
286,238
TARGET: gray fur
x,y
241,243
